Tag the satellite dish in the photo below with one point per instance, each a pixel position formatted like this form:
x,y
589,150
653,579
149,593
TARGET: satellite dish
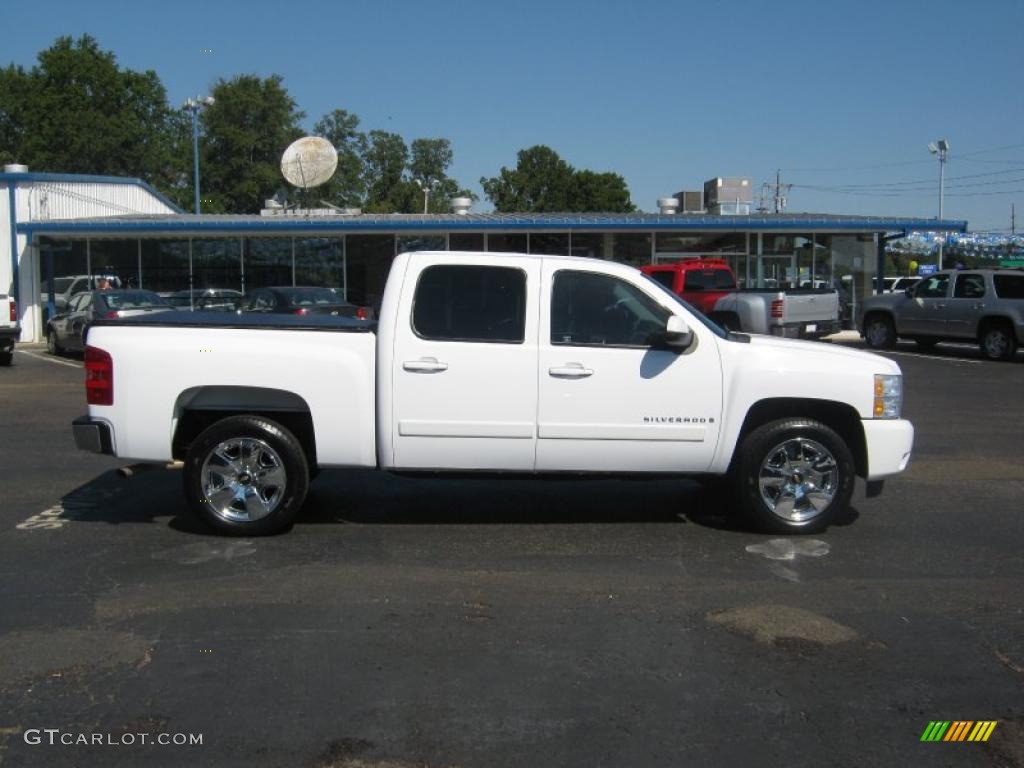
x,y
309,162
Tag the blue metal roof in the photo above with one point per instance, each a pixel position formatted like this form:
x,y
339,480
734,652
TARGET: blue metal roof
x,y
254,225
85,178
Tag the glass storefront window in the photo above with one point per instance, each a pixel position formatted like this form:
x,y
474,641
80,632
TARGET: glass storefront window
x,y
368,258
165,264
783,245
550,243
590,244
320,261
632,249
268,262
507,243
217,263
702,242
851,260
466,241
116,257
409,243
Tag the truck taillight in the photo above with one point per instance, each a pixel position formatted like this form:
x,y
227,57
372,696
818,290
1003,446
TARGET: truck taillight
x,y
14,311
301,311
112,315
778,307
361,313
99,377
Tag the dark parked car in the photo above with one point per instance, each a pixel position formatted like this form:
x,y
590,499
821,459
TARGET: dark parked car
x,y
303,301
67,330
208,299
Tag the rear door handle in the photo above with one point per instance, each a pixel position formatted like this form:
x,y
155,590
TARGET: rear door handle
x,y
425,365
570,371
940,305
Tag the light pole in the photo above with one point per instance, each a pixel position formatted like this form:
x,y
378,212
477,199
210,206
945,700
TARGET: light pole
x,y
940,148
426,186
193,106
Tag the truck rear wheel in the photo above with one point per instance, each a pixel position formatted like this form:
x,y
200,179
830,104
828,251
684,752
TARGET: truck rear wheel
x,y
246,476
794,476
998,342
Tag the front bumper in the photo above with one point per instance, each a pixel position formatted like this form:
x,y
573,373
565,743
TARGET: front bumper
x,y
889,443
93,436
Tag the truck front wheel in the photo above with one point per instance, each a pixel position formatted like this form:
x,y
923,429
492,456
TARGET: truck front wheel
x,y
794,476
879,332
246,476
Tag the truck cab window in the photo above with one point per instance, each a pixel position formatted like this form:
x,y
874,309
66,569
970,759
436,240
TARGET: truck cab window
x,y
470,303
969,287
590,309
933,287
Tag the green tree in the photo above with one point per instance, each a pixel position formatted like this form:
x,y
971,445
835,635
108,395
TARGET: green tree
x,y
387,189
245,131
347,187
599,192
77,111
543,182
431,159
539,183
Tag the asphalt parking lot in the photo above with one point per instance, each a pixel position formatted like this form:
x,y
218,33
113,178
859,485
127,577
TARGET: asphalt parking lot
x,y
406,622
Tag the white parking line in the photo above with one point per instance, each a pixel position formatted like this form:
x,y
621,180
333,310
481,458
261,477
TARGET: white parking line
x,y
48,358
934,357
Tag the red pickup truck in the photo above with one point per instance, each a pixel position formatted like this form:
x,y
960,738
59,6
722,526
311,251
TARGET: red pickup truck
x,y
710,286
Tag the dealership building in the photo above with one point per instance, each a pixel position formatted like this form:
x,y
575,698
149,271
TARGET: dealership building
x,y
55,226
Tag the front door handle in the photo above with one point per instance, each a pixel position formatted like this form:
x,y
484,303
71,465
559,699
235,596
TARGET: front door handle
x,y
570,371
940,305
979,306
425,365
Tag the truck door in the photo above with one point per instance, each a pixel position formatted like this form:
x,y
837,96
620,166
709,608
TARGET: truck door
x,y
924,312
609,401
465,365
966,306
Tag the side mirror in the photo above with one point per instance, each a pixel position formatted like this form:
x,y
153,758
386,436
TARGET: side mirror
x,y
677,334
909,290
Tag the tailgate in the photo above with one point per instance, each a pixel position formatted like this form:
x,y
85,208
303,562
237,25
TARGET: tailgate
x,y
811,307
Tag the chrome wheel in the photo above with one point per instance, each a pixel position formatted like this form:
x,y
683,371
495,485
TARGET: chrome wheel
x,y
996,343
798,479
243,479
879,334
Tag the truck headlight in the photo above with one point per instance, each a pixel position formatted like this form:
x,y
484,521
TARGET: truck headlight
x,y
888,396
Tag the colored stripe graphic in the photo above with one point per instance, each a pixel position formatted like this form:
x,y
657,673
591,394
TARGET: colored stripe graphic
x,y
959,730
935,730
982,730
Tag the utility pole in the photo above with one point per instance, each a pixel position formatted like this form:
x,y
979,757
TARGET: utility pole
x,y
780,192
1013,219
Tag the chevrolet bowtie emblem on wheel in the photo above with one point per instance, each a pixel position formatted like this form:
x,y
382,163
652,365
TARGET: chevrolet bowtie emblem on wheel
x,y
959,730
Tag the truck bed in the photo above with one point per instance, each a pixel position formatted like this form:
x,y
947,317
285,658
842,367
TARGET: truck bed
x,y
186,319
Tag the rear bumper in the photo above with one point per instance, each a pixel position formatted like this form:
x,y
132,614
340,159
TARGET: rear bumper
x,y
93,436
889,443
803,330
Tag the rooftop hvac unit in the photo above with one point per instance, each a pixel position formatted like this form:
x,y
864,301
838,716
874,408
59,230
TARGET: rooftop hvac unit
x,y
691,201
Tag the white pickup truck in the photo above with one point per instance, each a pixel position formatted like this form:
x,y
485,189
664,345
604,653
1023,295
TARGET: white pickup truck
x,y
493,362
9,329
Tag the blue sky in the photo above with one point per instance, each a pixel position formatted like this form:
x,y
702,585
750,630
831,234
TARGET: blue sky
x,y
838,94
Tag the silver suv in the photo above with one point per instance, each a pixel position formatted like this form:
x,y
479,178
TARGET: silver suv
x,y
983,305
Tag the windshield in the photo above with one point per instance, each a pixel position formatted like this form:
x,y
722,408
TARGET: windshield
x,y
61,284
308,297
134,300
690,308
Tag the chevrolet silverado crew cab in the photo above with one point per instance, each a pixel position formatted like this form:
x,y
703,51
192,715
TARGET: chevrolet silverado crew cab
x,y
710,286
497,363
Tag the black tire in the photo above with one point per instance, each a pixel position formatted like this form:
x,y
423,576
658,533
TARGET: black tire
x,y
6,358
997,342
800,440
879,332
52,346
253,451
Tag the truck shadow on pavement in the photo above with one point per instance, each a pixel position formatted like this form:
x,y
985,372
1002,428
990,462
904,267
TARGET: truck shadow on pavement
x,y
365,497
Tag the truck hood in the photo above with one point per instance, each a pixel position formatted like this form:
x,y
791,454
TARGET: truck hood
x,y
787,349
